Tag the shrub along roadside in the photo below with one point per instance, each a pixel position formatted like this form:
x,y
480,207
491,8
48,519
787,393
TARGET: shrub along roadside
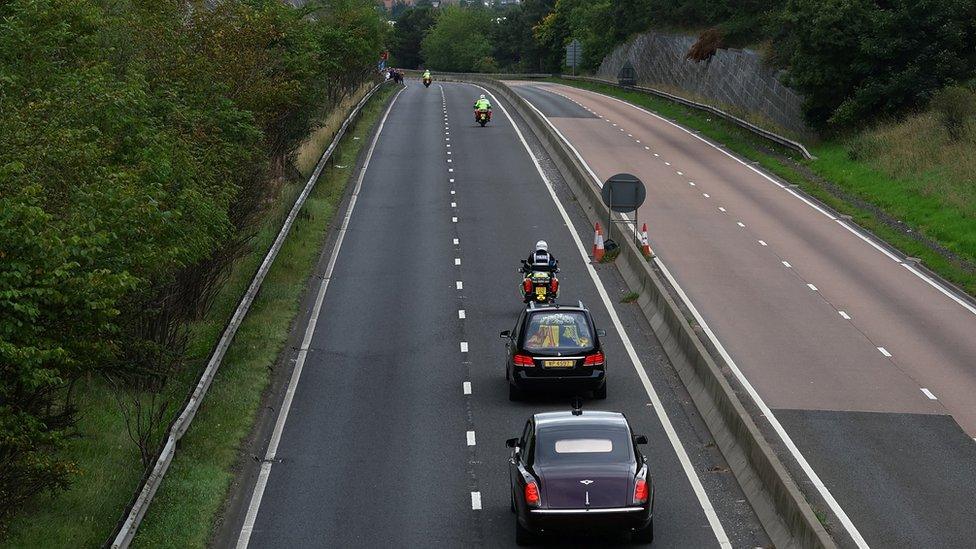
x,y
85,514
934,217
184,510
141,143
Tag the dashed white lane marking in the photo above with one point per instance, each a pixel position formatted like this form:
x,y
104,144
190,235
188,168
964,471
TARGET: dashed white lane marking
x,y
787,265
461,314
454,204
667,163
456,242
629,135
464,346
741,224
657,155
812,287
475,501
844,314
721,209
466,387
450,170
763,243
470,436
448,152
459,285
692,183
929,394
447,139
261,483
646,148
679,173
457,260
452,190
452,181
884,351
639,141
448,146
706,195
713,521
449,160
453,220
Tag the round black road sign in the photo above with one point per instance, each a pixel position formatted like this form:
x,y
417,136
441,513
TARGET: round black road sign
x,y
623,193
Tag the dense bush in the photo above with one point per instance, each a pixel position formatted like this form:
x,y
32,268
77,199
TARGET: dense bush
x,y
856,60
956,109
139,142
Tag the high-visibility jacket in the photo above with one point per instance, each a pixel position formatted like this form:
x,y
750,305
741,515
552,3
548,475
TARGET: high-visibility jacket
x,y
426,74
482,104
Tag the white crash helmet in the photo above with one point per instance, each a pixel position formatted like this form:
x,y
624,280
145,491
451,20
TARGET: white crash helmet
x,y
542,245
482,96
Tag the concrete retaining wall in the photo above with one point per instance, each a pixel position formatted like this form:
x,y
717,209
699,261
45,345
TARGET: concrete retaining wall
x,y
731,78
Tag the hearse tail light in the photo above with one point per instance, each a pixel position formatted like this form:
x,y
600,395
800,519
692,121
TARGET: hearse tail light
x,y
596,359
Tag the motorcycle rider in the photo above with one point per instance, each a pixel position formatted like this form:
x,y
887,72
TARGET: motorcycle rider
x,y
482,104
541,259
427,74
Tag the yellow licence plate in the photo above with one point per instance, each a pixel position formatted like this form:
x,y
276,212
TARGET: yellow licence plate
x,y
558,363
540,291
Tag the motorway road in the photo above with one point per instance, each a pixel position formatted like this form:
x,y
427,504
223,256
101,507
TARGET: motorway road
x,y
396,432
866,365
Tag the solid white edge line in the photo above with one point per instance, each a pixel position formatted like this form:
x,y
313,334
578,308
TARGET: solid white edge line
x,y
262,481
939,287
658,406
763,408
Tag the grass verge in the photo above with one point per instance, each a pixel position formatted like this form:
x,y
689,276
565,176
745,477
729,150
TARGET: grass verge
x,y
184,509
109,465
885,198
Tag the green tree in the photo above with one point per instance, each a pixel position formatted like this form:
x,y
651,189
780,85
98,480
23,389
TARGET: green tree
x,y
856,60
458,41
137,149
408,33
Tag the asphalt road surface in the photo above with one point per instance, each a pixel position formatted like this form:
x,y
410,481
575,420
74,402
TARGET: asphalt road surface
x,y
864,363
395,435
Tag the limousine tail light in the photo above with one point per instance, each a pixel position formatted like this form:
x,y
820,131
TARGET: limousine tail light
x,y
532,494
640,491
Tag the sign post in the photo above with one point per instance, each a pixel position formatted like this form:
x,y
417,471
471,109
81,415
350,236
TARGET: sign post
x,y
622,193
574,53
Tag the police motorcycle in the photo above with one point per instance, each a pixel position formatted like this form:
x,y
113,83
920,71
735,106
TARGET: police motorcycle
x,y
538,285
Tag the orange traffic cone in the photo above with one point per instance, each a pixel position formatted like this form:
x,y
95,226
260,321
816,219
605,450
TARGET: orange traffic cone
x,y
598,244
645,246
